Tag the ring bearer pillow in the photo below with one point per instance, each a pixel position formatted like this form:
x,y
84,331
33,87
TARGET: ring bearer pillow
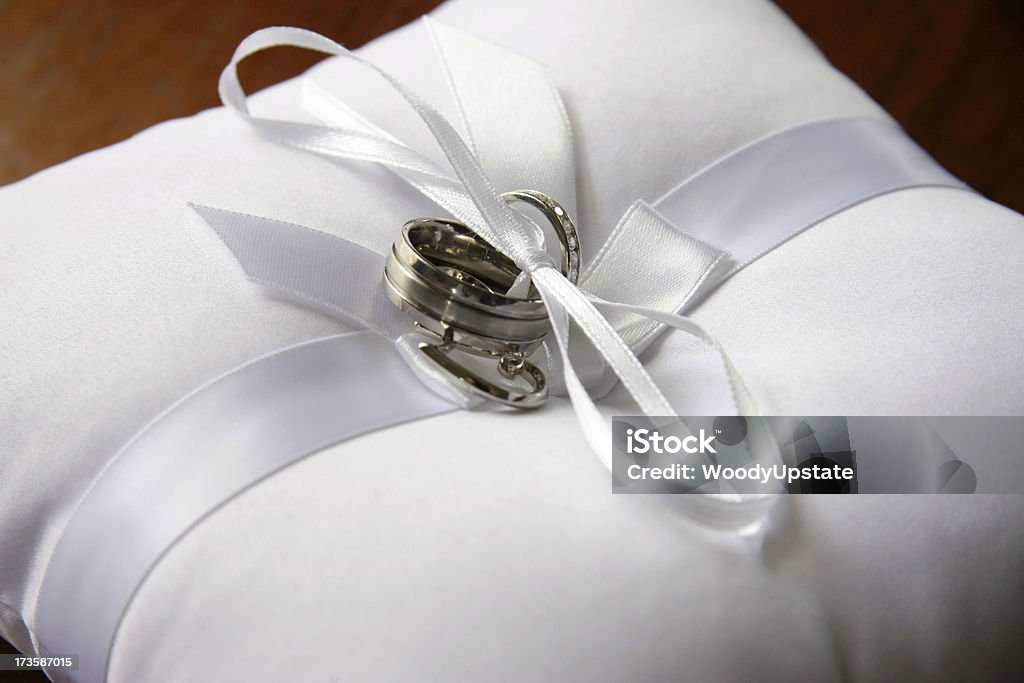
x,y
486,545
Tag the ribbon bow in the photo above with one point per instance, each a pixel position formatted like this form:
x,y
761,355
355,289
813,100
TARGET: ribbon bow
x,y
518,131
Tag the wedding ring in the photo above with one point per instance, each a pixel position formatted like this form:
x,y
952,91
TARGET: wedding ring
x,y
519,399
454,284
560,221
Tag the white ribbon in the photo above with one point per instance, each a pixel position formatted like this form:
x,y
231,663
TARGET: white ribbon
x,y
204,449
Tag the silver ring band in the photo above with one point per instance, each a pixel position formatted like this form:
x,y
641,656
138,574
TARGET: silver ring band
x,y
454,284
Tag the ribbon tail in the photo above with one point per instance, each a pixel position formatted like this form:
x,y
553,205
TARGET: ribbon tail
x,y
316,269
554,287
330,275
593,424
742,396
763,444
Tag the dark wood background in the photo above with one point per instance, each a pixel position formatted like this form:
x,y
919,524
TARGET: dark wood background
x,y
80,74
76,75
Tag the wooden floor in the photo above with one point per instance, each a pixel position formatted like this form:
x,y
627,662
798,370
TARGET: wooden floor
x,y
80,74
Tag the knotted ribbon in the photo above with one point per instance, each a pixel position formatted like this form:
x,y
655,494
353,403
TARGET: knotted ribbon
x,y
535,108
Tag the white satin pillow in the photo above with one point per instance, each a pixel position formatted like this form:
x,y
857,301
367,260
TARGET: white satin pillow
x,y
483,546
